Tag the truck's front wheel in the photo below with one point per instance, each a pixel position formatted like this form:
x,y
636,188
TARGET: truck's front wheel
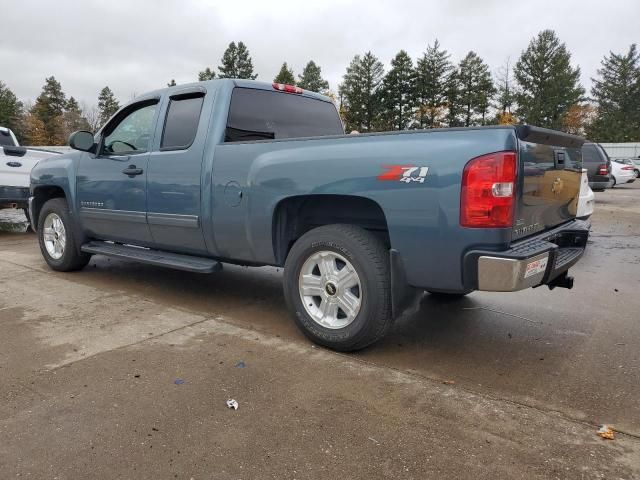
x,y
337,284
56,237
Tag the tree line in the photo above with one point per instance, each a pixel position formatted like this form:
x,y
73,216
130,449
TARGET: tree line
x,y
53,116
542,88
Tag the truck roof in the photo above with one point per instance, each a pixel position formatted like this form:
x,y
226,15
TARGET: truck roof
x,y
217,83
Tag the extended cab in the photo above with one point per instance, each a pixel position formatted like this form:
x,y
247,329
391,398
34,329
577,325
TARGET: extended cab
x,y
258,174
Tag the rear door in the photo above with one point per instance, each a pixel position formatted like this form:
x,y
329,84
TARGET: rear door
x,y
174,180
549,183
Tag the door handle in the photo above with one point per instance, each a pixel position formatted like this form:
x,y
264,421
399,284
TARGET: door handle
x,y
132,171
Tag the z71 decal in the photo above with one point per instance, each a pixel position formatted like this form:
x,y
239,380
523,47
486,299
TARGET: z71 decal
x,y
404,173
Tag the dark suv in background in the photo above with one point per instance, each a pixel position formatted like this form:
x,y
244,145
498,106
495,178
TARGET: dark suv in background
x,y
598,166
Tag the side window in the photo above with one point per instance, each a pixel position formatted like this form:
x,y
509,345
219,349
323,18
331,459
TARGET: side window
x,y
131,133
181,124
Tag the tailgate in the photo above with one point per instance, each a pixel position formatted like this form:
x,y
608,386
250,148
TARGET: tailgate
x,y
550,170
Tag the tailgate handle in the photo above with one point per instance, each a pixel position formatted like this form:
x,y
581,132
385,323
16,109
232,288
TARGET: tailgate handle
x,y
559,159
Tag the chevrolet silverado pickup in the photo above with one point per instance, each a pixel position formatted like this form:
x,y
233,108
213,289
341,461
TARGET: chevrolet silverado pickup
x,y
250,173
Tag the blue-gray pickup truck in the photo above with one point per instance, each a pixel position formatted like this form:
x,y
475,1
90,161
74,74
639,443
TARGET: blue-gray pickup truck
x,y
251,173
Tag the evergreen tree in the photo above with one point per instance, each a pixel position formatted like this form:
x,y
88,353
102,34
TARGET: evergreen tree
x,y
107,105
285,75
311,79
454,108
397,93
360,92
475,89
206,74
72,105
172,83
431,75
236,62
10,109
51,102
49,107
547,83
617,93
73,118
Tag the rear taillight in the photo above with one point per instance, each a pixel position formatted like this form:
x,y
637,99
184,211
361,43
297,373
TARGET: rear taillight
x,y
627,168
282,87
488,191
602,169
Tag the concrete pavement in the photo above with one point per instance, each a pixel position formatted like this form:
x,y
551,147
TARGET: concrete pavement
x,y
89,363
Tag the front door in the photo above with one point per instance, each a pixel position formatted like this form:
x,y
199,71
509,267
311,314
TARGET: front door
x,y
111,186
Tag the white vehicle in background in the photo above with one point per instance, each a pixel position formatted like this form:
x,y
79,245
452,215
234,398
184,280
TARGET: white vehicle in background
x,y
16,163
632,162
622,173
586,200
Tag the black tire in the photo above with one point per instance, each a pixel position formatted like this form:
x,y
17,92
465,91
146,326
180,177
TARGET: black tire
x,y
614,182
370,259
72,259
637,172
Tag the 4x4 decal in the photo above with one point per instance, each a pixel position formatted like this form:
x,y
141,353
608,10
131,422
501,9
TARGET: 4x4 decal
x,y
404,173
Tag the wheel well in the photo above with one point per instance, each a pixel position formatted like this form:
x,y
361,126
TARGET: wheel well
x,y
40,196
295,216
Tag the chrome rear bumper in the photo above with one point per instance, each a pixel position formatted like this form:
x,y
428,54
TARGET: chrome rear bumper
x,y
528,263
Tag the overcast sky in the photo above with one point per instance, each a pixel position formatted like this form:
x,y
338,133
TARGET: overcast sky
x,y
136,46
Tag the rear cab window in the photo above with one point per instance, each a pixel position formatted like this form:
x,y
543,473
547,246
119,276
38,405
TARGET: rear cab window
x,y
182,120
265,115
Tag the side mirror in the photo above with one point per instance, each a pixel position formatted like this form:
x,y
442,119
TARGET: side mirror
x,y
82,140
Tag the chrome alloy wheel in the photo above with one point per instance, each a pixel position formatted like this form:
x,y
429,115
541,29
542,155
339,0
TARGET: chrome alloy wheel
x,y
330,289
54,236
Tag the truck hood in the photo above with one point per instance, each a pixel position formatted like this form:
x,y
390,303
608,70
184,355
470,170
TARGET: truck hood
x,y
16,164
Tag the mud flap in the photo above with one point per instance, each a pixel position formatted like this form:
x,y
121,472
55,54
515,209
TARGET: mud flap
x,y
405,299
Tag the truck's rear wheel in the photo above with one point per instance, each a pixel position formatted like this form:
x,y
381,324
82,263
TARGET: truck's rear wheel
x,y
337,285
56,237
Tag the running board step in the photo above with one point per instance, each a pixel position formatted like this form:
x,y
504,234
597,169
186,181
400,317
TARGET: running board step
x,y
153,257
